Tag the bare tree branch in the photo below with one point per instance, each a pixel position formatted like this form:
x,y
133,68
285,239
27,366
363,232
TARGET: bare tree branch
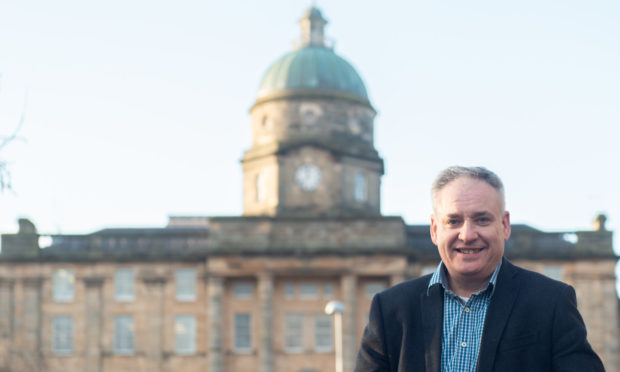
x,y
5,174
5,140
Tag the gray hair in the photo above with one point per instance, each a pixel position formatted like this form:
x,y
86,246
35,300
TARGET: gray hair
x,y
480,173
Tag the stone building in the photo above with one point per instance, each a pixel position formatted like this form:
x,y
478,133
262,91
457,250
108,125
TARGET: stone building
x,y
247,293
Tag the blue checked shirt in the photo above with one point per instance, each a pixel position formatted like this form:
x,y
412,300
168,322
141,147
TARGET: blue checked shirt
x,y
463,323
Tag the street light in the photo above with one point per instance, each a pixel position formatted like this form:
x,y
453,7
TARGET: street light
x,y
336,308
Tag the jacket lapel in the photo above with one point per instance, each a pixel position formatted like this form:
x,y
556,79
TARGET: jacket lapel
x,y
432,320
500,308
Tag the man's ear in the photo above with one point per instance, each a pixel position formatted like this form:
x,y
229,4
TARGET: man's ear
x,y
506,225
433,229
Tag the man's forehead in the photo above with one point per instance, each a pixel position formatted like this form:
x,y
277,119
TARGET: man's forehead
x,y
466,189
467,195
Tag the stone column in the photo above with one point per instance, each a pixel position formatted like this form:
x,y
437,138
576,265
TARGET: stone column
x,y
155,322
93,324
265,324
349,321
30,350
6,322
215,356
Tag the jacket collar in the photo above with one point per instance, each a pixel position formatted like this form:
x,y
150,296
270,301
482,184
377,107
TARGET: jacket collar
x,y
500,309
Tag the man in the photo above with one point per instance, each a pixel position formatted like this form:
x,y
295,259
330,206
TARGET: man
x,y
477,311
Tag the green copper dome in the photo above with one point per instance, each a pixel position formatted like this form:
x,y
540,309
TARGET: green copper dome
x,y
313,69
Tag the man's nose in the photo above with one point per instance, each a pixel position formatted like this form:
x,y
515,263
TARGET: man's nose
x,y
468,232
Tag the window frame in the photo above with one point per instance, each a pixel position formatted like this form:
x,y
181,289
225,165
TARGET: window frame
x,y
313,295
189,338
320,332
62,335
124,286
239,294
63,285
328,293
246,346
298,332
360,187
289,291
188,294
124,325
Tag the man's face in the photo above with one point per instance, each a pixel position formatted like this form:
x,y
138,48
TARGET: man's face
x,y
469,228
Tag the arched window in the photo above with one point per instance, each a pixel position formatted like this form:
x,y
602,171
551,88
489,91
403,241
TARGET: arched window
x,y
360,188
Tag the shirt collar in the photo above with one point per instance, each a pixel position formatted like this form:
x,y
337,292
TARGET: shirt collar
x,y
439,278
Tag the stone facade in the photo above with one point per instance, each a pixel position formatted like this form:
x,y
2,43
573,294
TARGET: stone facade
x,y
277,259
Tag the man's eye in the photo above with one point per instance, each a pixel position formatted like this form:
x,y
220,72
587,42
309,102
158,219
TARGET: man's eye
x,y
484,220
453,222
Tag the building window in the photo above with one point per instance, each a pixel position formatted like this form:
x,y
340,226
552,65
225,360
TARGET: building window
x,y
63,285
323,332
244,290
328,290
360,189
554,271
243,332
293,332
62,335
309,290
123,285
185,284
185,334
123,334
372,288
289,290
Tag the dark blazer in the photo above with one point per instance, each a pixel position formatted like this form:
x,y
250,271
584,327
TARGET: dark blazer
x,y
532,324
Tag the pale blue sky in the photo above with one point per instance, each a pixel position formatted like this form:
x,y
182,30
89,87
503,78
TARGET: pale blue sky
x,y
139,109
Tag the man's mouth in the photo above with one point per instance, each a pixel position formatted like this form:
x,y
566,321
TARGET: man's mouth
x,y
468,250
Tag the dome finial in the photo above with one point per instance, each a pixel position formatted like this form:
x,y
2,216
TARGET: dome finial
x,y
312,27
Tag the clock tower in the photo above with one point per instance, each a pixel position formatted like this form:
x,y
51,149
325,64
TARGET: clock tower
x,y
312,148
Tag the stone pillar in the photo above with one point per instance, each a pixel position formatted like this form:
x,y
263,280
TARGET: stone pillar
x,y
155,322
29,352
349,321
6,322
265,324
93,324
215,356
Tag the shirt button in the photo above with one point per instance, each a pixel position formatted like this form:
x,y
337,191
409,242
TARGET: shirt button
x,y
463,344
466,309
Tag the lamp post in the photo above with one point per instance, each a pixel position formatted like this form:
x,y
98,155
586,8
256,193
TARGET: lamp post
x,y
336,308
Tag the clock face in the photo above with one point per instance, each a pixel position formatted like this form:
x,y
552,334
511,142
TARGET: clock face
x,y
308,177
310,113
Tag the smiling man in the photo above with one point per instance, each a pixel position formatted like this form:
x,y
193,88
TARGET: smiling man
x,y
477,311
